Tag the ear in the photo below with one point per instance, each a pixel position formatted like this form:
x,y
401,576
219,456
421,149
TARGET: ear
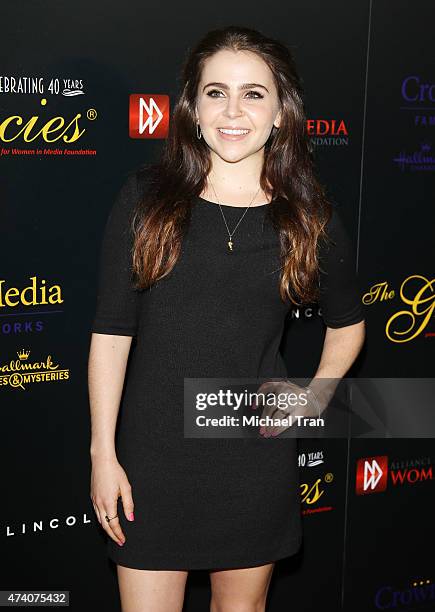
x,y
277,121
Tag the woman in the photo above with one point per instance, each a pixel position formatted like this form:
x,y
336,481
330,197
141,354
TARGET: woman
x,y
203,256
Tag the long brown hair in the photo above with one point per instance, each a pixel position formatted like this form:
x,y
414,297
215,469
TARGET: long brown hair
x,y
287,174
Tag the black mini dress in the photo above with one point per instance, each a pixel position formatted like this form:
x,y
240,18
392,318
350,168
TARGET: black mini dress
x,y
206,503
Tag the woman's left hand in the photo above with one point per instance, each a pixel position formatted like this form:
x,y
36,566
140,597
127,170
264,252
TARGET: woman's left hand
x,y
299,401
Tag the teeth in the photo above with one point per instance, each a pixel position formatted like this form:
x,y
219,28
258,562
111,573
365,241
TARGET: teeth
x,y
235,132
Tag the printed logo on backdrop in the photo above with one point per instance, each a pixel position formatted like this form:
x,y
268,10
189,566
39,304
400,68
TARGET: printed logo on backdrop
x,y
46,525
149,116
328,132
17,312
416,161
414,316
418,100
40,126
313,490
416,593
373,474
312,459
18,373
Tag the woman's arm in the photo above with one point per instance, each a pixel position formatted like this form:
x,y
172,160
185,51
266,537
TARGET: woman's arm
x,y
107,364
115,321
340,349
114,325
342,311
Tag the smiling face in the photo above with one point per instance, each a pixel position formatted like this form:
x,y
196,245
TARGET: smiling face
x,y
236,92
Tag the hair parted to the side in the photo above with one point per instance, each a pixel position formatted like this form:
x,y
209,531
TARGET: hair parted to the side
x,y
287,175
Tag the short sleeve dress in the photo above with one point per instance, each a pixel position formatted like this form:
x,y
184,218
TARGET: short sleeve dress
x,y
206,503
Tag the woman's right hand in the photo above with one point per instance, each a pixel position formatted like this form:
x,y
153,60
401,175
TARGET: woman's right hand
x,y
108,482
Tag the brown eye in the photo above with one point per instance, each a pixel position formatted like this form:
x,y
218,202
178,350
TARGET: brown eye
x,y
257,94
212,91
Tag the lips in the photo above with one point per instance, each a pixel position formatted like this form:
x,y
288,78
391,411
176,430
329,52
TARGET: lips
x,y
236,131
233,134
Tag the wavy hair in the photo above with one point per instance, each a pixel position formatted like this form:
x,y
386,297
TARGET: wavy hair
x,y
288,174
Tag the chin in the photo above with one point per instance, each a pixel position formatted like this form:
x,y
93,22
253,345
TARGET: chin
x,y
233,156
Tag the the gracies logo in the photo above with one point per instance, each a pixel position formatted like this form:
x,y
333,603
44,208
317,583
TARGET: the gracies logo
x,y
149,116
418,293
312,492
30,131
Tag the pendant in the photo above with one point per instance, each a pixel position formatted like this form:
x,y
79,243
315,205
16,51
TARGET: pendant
x,y
230,244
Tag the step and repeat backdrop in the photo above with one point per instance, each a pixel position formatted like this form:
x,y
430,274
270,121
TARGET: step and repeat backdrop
x,y
71,76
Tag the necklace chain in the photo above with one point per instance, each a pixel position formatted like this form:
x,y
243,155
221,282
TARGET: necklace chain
x,y
230,234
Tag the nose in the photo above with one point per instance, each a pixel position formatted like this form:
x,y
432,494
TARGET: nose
x,y
232,108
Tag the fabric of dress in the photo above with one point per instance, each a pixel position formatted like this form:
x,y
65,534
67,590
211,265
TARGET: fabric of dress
x,y
206,503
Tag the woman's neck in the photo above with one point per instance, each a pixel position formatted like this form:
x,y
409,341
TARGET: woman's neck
x,y
236,197
235,183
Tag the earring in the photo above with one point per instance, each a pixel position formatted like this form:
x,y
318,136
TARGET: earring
x,y
198,131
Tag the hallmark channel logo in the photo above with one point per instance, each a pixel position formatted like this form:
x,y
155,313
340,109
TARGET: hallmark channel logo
x,y
416,161
373,473
149,116
22,371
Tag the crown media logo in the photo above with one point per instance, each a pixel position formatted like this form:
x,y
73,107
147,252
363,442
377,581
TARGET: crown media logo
x,y
148,116
20,372
418,99
417,593
17,315
328,132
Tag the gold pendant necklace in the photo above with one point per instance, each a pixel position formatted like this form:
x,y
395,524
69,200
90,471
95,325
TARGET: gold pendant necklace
x,y
230,234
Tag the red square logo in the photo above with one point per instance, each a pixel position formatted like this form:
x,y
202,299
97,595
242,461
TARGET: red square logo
x,y
148,116
371,475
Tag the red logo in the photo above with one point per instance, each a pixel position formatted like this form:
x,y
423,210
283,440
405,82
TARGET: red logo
x,y
148,116
327,127
371,475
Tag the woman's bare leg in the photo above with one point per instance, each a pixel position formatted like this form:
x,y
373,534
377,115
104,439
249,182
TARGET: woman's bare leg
x,y
240,590
151,590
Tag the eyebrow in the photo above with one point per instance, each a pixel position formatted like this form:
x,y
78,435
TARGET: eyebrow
x,y
241,87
